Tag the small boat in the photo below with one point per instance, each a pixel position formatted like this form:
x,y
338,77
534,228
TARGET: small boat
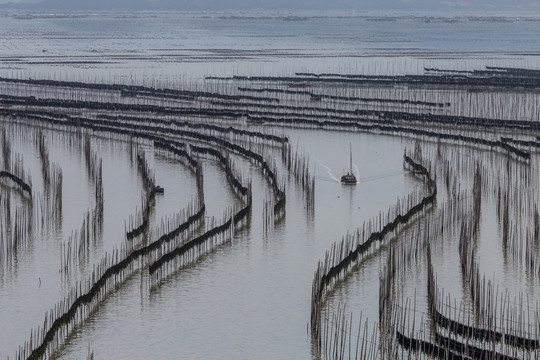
x,y
349,178
159,190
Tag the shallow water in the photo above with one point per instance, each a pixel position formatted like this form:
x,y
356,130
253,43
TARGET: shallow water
x,y
249,297
165,48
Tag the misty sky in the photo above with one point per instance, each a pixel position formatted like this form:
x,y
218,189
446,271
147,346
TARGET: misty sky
x,y
528,7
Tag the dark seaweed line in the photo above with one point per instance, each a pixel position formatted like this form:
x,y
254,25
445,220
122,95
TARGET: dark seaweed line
x,y
141,129
376,236
529,143
230,129
132,90
373,116
421,169
27,101
321,282
388,228
130,235
151,193
484,334
200,239
246,108
373,127
24,186
225,162
191,95
345,98
463,72
235,182
176,150
477,78
427,348
101,283
383,116
142,164
225,130
400,129
472,351
516,71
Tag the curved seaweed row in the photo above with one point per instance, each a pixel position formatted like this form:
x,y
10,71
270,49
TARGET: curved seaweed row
x,y
99,285
12,165
318,97
469,350
190,95
134,255
333,266
145,131
529,143
192,125
225,161
236,109
465,334
120,266
199,240
468,331
363,115
428,348
135,90
385,116
405,130
477,78
471,332
336,341
444,346
150,189
20,182
267,168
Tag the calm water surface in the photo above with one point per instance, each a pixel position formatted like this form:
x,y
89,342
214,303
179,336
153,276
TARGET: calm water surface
x,y
250,297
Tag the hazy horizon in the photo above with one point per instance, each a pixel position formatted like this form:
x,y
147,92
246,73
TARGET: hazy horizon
x,y
447,6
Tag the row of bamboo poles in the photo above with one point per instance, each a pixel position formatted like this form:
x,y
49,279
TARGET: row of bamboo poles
x,y
495,323
159,252
111,270
154,117
77,249
353,247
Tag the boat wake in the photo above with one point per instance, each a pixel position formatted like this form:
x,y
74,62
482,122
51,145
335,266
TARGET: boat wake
x,y
356,172
329,172
381,176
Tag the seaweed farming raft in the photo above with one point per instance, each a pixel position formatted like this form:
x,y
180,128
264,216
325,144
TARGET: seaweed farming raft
x,y
471,191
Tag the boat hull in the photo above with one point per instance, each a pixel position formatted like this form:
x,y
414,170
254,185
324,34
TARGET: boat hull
x,y
348,179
